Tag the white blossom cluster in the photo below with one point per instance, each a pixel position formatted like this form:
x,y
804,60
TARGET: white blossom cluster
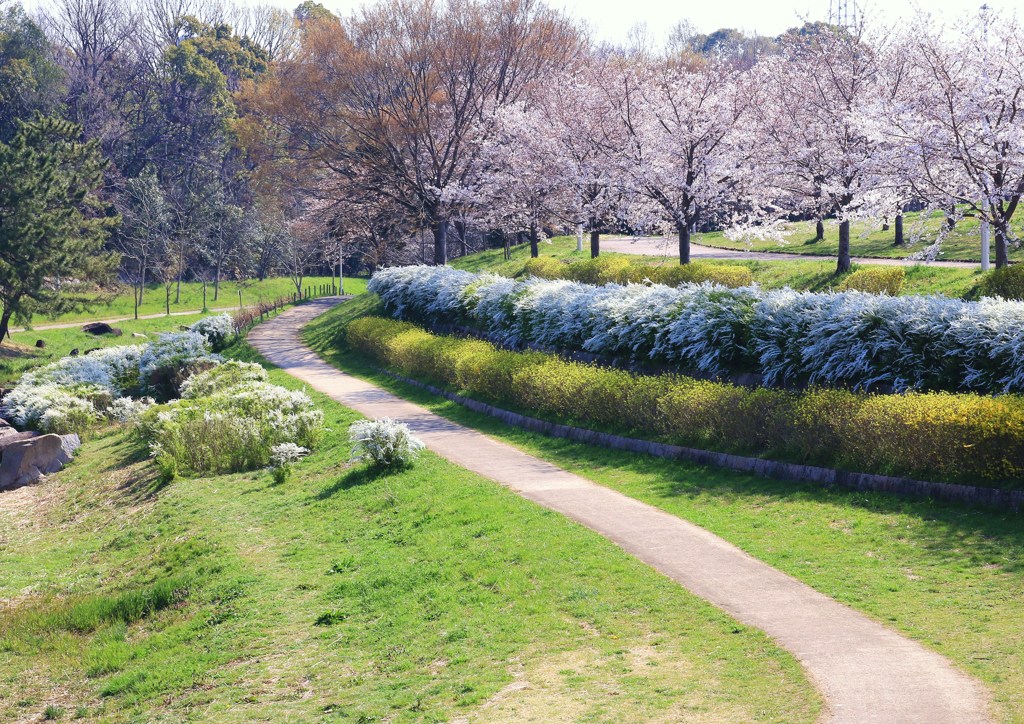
x,y
287,453
834,338
384,442
217,329
174,349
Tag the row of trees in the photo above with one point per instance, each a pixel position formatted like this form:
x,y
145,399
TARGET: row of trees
x,y
500,114
241,142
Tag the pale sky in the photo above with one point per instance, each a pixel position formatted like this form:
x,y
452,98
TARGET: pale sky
x,y
611,20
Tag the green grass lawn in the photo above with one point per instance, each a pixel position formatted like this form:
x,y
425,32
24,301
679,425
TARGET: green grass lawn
x,y
342,594
950,576
867,239
813,275
191,298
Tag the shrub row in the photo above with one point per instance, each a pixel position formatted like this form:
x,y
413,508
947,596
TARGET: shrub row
x,y
619,270
941,436
841,339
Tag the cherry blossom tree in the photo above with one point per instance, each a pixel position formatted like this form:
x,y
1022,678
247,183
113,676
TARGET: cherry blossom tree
x,y
689,141
521,186
959,115
813,126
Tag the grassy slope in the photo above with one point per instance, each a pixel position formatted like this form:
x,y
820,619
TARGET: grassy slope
x,y
417,595
947,575
812,274
867,239
153,301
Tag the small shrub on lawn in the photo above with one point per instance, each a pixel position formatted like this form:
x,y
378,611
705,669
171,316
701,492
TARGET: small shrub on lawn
x,y
282,457
876,280
384,443
944,436
1007,283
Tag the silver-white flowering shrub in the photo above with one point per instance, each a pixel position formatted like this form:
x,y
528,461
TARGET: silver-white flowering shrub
x,y
384,443
175,350
233,428
287,453
218,330
128,410
847,338
75,393
229,374
53,408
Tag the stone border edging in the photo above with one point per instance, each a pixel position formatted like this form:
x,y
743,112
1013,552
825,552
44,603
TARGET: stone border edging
x,y
826,477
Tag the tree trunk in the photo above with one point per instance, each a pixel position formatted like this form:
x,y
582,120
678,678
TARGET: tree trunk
x,y
819,230
216,281
595,244
899,229
460,229
684,243
534,242
951,218
5,322
204,292
1002,250
441,242
138,294
506,245
579,237
844,248
885,225
167,299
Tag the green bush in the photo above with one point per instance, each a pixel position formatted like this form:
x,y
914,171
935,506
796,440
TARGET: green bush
x,y
234,428
1007,283
728,275
601,270
876,280
942,436
545,267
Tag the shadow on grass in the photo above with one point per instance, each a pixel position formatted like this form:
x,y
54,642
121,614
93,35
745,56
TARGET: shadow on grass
x,y
362,475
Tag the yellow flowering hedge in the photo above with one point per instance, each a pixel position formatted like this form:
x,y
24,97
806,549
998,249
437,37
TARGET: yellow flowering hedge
x,y
617,269
968,438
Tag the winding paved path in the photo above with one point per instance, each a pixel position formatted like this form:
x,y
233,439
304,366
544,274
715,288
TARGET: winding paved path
x,y
865,672
656,246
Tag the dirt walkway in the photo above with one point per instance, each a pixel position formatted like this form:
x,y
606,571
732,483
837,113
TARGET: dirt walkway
x,y
865,672
656,246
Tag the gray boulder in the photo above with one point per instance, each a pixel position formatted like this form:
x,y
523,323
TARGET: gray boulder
x,y
25,461
10,436
69,444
